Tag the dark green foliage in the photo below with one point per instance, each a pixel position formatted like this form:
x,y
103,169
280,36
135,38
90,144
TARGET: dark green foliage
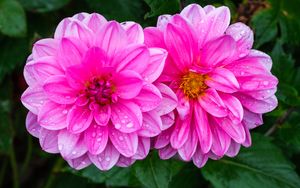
x,y
271,162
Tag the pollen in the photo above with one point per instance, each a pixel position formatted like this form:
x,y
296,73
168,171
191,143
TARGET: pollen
x,y
193,85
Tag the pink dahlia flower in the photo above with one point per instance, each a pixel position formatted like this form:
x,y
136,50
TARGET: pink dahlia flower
x,y
90,93
223,86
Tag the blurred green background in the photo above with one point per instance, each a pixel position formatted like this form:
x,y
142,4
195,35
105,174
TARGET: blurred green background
x,y
272,162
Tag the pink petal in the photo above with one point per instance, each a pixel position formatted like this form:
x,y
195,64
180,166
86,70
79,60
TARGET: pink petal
x,y
243,35
163,139
94,21
234,149
166,152
134,32
180,45
258,106
79,119
33,98
212,103
77,29
107,159
234,130
183,106
199,159
143,148
187,151
53,116
257,82
80,16
216,22
149,98
222,80
156,64
154,37
264,59
221,141
32,125
48,140
96,138
125,161
167,120
111,38
194,13
80,162
46,67
102,114
61,28
203,128
151,124
134,57
208,8
233,105
44,47
58,90
70,52
71,146
125,143
162,21
128,84
29,72
126,116
252,120
261,94
218,51
248,140
169,99
181,133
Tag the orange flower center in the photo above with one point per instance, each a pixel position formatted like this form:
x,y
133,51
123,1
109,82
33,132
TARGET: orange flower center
x,y
192,84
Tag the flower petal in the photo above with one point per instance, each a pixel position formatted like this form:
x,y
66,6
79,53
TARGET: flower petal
x,y
222,80
44,47
149,98
53,116
167,152
183,105
94,21
32,125
163,139
203,128
151,124
107,159
212,103
199,159
125,143
221,141
154,37
58,90
126,116
102,114
48,140
169,99
125,161
181,133
128,84
96,138
243,35
33,98
234,130
79,119
143,148
71,146
252,120
233,105
76,29
134,32
46,67
233,149
194,13
167,120
258,106
187,151
80,162
257,82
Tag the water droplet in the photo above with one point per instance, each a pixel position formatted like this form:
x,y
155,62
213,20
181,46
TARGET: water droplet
x,y
60,147
67,97
83,162
242,73
265,83
93,134
121,138
99,139
129,125
74,152
65,111
117,126
123,121
107,158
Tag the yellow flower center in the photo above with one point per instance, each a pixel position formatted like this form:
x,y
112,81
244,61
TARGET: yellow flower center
x,y
192,84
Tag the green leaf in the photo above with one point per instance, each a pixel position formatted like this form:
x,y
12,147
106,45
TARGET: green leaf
x,y
288,94
265,26
159,7
262,165
153,172
120,10
12,18
12,54
43,5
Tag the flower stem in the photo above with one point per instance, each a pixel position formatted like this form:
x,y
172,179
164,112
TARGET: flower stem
x,y
56,168
279,121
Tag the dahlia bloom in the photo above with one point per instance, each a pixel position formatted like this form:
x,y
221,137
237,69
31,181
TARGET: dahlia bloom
x,y
91,95
223,86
